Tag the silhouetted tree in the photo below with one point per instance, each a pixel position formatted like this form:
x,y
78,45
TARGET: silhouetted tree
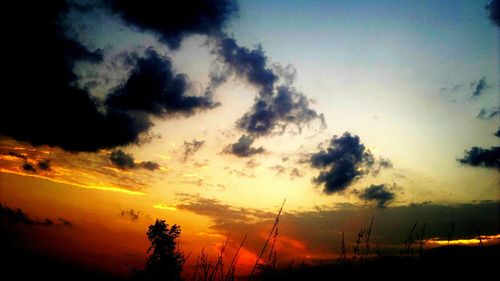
x,y
165,261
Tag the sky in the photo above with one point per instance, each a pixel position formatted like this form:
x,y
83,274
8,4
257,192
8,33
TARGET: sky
x,y
209,115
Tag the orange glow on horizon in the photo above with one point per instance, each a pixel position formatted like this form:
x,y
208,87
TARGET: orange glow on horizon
x,y
485,239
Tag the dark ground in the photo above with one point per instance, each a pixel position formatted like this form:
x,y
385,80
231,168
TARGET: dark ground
x,y
446,263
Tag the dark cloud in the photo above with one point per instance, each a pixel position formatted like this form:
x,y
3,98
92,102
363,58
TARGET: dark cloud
x,y
122,160
488,113
378,193
28,167
51,107
154,88
190,148
47,107
479,87
17,155
497,133
126,161
149,165
494,10
130,214
276,106
245,63
173,21
18,216
285,107
481,157
44,164
345,160
243,147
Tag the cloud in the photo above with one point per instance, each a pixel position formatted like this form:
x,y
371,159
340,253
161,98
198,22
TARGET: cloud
x,y
285,107
17,155
122,160
239,173
379,193
245,63
279,169
291,172
295,173
216,209
149,165
345,160
479,87
126,161
44,164
28,167
190,148
382,163
252,164
325,225
494,10
481,157
173,22
130,214
276,106
243,147
154,88
54,110
488,113
18,216
497,133
59,111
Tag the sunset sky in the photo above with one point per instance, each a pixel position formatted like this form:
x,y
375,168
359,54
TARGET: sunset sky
x,y
211,114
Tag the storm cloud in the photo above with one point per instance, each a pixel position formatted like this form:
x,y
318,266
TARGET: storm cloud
x,y
243,147
378,193
345,160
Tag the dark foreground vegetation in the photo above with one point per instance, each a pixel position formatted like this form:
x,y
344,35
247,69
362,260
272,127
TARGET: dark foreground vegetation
x,y
357,261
